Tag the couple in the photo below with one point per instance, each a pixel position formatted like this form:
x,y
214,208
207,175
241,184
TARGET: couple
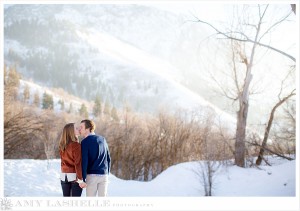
x,y
85,165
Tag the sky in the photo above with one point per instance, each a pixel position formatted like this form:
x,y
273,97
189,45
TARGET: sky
x,y
208,9
176,188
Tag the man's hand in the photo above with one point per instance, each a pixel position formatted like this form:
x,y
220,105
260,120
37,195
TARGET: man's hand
x,y
82,185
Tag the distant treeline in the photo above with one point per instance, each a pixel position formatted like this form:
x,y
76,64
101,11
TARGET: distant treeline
x,y
141,145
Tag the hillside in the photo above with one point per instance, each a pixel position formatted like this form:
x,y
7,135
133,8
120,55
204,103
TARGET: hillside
x,y
134,54
60,56
57,94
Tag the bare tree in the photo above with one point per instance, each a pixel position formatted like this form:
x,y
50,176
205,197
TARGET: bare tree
x,y
254,38
206,171
207,168
258,35
52,126
21,123
269,125
284,138
21,127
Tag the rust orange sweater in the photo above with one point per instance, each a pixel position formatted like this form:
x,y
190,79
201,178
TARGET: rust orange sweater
x,y
71,159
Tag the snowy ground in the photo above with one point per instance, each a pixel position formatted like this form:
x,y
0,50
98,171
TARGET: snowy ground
x,y
40,178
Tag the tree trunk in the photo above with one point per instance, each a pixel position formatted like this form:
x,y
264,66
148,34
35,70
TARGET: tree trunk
x,y
242,121
241,134
294,8
243,111
244,92
268,128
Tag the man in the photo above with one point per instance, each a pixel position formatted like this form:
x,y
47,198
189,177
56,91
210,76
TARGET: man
x,y
95,160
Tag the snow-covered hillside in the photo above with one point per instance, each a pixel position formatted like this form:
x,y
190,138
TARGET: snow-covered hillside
x,y
133,54
57,94
41,178
61,57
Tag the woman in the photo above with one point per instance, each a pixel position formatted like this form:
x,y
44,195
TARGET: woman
x,y
70,154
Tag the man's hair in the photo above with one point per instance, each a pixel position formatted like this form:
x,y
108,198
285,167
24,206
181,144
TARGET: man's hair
x,y
89,124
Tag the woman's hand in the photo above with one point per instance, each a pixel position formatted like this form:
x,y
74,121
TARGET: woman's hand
x,y
83,185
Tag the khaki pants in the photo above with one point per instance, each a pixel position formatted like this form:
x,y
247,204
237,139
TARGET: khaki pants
x,y
96,184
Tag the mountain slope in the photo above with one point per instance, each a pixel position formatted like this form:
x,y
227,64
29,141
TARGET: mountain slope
x,y
90,50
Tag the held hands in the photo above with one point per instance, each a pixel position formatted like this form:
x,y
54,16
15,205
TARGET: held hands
x,y
81,183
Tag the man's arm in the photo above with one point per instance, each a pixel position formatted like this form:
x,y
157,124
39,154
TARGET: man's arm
x,y
84,155
108,155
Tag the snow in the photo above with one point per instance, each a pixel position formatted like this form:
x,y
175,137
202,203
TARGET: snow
x,y
132,56
33,88
177,188
40,178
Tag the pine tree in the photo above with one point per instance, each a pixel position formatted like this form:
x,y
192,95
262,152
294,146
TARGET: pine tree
x,y
97,107
26,93
5,74
70,108
12,83
83,111
114,114
36,100
156,90
47,101
13,78
62,104
106,108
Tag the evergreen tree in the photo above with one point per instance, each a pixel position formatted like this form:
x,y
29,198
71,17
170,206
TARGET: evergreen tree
x,y
106,108
26,93
138,85
97,107
145,86
47,101
5,74
70,108
111,96
36,100
156,90
114,114
83,111
13,78
62,104
12,82
120,97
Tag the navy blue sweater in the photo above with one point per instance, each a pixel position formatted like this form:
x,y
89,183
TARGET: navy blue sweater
x,y
95,156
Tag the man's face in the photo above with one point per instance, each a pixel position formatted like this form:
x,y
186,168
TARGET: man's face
x,y
83,131
76,130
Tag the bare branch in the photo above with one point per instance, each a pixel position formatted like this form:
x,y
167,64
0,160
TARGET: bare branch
x,y
271,151
229,35
224,92
276,23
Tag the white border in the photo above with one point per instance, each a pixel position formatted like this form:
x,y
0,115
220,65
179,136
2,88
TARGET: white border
x,y
150,203
155,203
1,100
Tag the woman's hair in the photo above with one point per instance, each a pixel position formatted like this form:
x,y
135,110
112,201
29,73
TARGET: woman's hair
x,y
67,136
89,124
